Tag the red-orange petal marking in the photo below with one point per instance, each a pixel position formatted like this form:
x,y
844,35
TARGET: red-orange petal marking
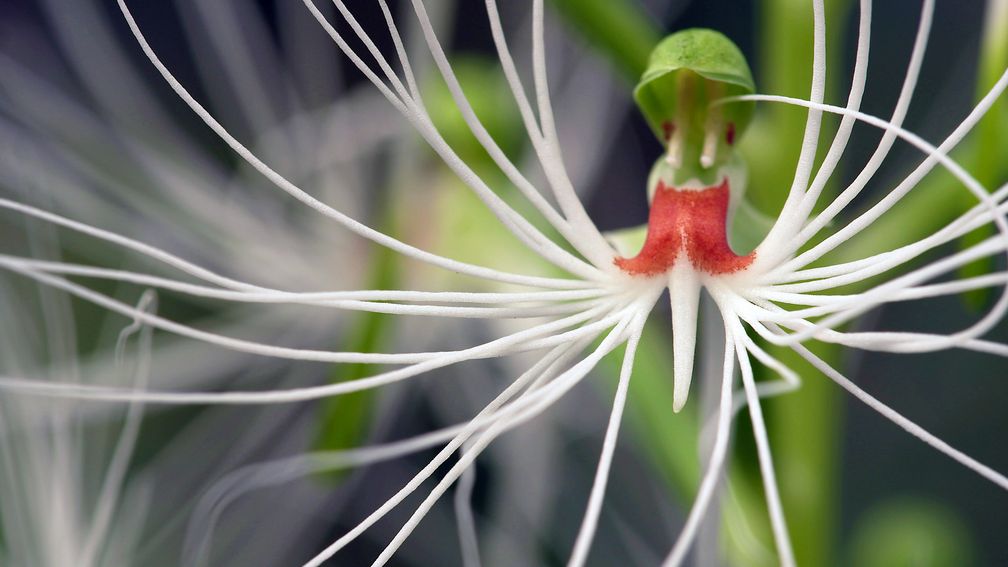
x,y
690,220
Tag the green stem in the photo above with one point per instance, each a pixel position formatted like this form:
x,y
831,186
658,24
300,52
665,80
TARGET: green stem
x,y
992,135
804,426
620,29
344,420
669,439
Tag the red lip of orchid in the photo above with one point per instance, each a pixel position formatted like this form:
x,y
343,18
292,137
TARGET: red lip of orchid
x,y
694,221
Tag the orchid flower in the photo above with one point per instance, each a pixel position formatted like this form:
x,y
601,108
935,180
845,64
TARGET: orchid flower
x,y
697,95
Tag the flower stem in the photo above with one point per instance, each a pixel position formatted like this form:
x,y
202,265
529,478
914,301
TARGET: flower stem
x,y
803,426
619,28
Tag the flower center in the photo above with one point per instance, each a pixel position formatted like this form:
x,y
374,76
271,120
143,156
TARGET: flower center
x,y
690,220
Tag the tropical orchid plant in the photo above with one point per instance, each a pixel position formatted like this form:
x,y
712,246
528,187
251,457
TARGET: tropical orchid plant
x,y
589,293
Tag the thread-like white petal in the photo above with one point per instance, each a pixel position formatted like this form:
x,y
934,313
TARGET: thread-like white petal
x,y
785,553
586,533
715,466
900,420
532,404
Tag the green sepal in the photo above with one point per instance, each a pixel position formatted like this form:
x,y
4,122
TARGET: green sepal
x,y
702,51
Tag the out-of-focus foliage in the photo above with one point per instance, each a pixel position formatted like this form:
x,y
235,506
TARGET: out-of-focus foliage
x,y
911,533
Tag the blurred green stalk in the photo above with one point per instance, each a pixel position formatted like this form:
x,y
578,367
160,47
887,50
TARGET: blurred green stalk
x,y
991,138
617,28
804,425
344,420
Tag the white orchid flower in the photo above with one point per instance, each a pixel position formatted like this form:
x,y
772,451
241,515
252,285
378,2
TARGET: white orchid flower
x,y
772,294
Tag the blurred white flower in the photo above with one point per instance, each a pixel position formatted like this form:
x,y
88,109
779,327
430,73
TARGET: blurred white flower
x,y
91,141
